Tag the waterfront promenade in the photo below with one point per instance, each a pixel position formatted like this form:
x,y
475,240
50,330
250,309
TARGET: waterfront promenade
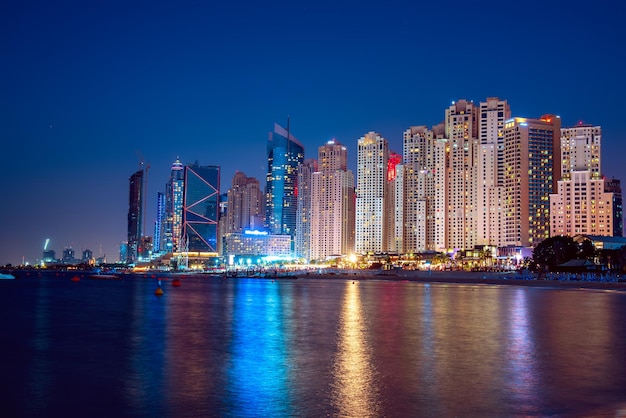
x,y
560,280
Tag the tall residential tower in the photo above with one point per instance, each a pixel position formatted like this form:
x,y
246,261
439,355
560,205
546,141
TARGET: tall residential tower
x,y
531,167
332,203
371,195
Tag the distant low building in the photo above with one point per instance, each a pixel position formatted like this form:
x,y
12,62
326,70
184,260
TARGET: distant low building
x,y
49,256
601,242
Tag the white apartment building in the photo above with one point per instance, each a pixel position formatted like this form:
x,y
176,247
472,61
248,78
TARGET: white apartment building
x,y
580,150
581,206
371,194
302,238
493,113
424,156
461,132
395,175
332,204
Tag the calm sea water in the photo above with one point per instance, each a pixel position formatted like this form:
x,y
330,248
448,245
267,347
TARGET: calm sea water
x,y
308,348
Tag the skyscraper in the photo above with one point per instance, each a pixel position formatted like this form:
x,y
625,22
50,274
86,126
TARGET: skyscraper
x,y
302,244
159,225
395,207
461,132
531,165
581,204
332,203
200,208
245,204
424,160
174,189
614,186
490,175
284,154
580,150
371,194
135,215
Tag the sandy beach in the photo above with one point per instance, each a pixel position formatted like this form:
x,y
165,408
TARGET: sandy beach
x,y
466,277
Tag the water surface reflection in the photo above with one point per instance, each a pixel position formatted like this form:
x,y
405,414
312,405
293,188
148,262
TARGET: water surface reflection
x,y
355,391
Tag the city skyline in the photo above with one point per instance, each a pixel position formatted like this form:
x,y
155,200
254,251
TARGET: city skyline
x,y
90,91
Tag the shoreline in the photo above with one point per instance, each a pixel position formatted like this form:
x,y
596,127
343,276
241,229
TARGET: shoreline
x,y
469,278
417,276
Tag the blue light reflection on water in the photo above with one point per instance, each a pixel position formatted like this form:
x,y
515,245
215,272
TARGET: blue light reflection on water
x,y
258,383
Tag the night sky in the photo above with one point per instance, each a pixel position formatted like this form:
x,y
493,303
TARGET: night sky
x,y
88,91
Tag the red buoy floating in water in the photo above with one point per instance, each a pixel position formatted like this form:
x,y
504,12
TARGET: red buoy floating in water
x,y
158,291
75,279
176,283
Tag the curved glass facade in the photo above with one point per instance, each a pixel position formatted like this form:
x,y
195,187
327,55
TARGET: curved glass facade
x,y
284,154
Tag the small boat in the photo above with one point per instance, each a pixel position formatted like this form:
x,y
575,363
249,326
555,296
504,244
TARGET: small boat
x,y
6,276
104,277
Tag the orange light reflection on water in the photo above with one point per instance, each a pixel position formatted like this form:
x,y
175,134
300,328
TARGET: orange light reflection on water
x,y
355,394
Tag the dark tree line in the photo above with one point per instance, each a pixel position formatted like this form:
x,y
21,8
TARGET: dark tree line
x,y
560,249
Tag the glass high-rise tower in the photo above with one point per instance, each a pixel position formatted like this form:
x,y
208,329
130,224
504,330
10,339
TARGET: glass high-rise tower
x,y
284,154
135,215
173,208
200,208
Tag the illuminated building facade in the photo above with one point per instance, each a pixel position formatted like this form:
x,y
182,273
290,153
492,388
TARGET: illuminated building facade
x,y
87,256
395,178
531,164
461,133
493,114
222,224
332,214
303,213
200,209
135,215
245,204
123,251
173,223
580,150
581,204
284,154
614,186
424,161
69,256
371,194
159,224
254,243
145,249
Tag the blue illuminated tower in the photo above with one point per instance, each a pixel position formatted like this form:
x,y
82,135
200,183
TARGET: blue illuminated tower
x,y
284,154
159,224
173,223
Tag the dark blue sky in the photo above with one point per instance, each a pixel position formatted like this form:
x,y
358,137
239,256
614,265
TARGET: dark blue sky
x,y
86,91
